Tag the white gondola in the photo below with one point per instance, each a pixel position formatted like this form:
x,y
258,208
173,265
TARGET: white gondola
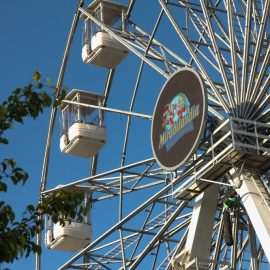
x,y
83,132
73,236
99,48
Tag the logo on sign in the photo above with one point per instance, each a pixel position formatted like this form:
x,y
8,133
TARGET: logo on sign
x,y
177,120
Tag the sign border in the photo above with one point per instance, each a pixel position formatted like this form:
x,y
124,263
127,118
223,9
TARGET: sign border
x,y
203,122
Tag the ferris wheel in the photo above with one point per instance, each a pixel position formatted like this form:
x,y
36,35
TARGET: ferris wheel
x,y
191,180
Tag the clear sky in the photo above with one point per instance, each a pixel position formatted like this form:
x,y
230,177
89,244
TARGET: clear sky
x,y
33,37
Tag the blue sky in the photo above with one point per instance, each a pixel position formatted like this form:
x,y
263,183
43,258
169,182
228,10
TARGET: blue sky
x,y
33,37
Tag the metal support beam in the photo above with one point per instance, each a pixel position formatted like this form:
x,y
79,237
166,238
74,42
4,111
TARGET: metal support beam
x,y
199,237
196,60
53,114
106,109
255,199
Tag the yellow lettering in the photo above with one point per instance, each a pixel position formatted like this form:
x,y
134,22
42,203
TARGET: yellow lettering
x,y
162,139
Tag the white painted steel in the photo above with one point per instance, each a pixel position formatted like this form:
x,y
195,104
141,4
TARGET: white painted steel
x,y
106,109
256,200
199,236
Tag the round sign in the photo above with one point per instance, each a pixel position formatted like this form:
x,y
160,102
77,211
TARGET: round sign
x,y
179,119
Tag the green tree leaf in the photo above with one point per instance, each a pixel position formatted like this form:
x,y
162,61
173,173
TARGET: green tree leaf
x,y
3,140
36,76
16,236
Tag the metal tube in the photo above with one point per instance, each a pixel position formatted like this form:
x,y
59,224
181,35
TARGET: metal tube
x,y
201,32
157,236
87,179
256,99
145,116
253,248
189,48
155,258
108,85
265,102
53,115
130,7
79,116
122,248
258,47
100,113
174,55
214,182
218,57
233,55
93,169
136,90
235,239
245,55
218,242
142,228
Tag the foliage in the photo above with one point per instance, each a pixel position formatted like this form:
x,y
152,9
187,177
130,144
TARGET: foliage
x,y
64,205
17,237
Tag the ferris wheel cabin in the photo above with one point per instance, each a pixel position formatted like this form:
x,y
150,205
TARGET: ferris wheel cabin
x,y
72,237
99,47
83,132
